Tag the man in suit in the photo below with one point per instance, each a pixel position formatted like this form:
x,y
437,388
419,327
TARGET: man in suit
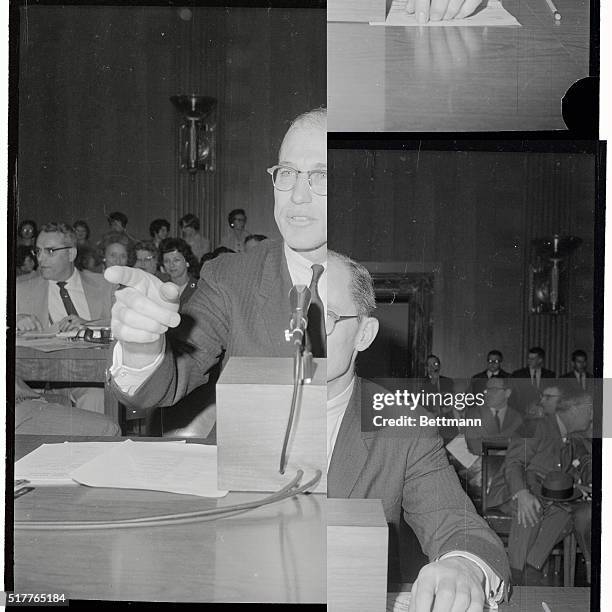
x,y
528,381
241,305
561,442
494,368
435,383
404,467
62,297
579,375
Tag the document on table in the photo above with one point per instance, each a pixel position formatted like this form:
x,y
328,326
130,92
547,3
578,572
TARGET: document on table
x,y
493,14
51,464
190,469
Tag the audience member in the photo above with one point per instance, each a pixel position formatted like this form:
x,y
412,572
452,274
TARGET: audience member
x,y
82,233
190,226
147,255
116,250
561,442
579,374
214,254
177,260
252,240
527,381
234,238
494,368
435,383
159,230
26,262
26,233
88,258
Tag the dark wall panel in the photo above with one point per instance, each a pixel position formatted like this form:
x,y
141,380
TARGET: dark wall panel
x,y
97,131
471,216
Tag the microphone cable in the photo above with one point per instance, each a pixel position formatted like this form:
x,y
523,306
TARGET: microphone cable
x,y
294,398
290,490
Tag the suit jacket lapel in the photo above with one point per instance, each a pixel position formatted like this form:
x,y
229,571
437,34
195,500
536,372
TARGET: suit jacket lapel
x,y
274,295
350,451
92,297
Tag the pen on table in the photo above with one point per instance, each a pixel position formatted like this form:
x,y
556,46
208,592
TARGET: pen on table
x,y
23,491
553,9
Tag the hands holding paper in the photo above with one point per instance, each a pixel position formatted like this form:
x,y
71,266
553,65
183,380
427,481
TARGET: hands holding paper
x,y
144,310
437,10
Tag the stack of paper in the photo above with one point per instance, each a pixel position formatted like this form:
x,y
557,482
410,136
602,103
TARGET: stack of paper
x,y
171,466
493,14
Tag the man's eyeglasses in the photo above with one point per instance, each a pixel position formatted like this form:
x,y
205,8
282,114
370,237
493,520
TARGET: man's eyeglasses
x,y
48,251
332,319
494,360
285,178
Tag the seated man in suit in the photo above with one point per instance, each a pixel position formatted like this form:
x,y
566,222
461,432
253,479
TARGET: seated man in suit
x,y
528,382
579,374
241,304
435,383
561,442
407,470
62,297
494,368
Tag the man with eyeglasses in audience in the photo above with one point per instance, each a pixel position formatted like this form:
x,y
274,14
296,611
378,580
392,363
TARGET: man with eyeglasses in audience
x,y
494,368
241,305
62,297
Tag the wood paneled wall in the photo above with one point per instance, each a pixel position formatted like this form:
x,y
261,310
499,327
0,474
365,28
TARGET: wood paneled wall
x,y
97,131
470,217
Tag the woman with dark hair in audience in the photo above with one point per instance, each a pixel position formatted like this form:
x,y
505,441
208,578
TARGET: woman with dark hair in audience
x,y
116,250
190,229
26,262
81,231
235,237
159,230
177,260
252,240
26,233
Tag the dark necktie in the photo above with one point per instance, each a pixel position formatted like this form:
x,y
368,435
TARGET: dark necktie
x,y
498,421
66,299
316,312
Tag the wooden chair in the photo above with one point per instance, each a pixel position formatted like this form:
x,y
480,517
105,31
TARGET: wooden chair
x,y
493,456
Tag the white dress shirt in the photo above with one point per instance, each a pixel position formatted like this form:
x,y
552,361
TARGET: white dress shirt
x,y
300,270
74,286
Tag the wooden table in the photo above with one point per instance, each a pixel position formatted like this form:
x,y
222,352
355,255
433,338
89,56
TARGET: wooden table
x,y
455,78
86,366
272,554
529,599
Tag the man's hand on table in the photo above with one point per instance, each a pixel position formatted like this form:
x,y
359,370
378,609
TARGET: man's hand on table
x,y
26,322
70,323
143,311
437,10
455,584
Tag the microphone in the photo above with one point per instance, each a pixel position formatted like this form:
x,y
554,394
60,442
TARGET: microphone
x,y
299,299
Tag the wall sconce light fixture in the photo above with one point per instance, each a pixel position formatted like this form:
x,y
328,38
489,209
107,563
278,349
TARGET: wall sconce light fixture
x,y
549,274
196,133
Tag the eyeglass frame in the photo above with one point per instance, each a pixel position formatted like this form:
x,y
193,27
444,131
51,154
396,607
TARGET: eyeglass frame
x,y
309,174
49,250
336,319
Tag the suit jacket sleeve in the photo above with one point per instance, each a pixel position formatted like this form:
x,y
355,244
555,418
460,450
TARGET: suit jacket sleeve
x,y
519,455
194,347
441,515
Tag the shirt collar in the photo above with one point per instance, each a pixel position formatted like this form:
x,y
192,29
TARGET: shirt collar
x,y
73,280
297,263
343,397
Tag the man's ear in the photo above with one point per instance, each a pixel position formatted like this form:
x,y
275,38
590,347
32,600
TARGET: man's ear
x,y
368,330
72,253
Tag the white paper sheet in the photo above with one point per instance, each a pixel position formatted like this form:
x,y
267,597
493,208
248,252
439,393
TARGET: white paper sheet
x,y
51,464
190,469
494,14
459,449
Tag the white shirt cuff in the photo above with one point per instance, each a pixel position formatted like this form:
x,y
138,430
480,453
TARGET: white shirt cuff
x,y
129,380
494,585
